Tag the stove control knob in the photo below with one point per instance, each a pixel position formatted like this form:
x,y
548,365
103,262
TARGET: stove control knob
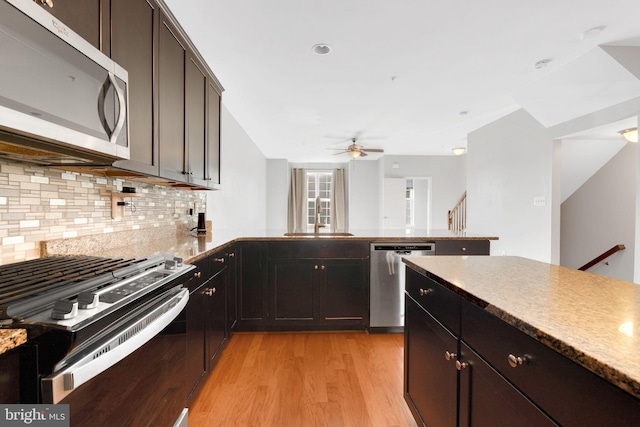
x,y
87,300
64,309
178,261
170,264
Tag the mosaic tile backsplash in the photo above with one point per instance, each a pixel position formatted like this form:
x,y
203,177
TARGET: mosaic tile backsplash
x,y
39,203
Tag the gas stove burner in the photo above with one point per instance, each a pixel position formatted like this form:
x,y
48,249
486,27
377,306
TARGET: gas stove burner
x,y
73,291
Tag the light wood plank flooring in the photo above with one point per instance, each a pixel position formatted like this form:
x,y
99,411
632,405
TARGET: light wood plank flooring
x,y
305,379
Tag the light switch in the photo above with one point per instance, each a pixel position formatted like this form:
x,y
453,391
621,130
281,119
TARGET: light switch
x,y
539,201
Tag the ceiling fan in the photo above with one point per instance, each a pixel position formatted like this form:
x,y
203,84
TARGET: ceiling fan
x,y
355,150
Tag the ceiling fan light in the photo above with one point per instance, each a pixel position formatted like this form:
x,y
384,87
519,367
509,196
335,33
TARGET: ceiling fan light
x,y
458,150
354,153
631,134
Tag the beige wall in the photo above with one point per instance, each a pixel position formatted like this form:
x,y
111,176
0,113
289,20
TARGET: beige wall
x,y
39,203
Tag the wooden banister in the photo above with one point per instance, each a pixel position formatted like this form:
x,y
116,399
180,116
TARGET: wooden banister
x,y
457,220
602,257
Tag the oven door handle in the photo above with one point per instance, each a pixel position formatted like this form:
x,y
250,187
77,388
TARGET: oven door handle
x,y
58,385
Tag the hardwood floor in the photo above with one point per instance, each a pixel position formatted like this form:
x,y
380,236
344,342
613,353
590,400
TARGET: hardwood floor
x,y
306,379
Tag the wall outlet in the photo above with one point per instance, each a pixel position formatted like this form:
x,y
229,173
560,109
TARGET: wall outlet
x,y
539,201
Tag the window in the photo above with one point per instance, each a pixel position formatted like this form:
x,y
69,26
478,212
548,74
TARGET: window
x,y
319,184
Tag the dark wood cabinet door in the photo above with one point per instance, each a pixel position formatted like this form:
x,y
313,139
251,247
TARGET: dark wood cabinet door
x,y
431,381
487,399
88,18
213,135
172,54
134,30
195,104
343,291
196,368
232,291
253,296
215,291
293,299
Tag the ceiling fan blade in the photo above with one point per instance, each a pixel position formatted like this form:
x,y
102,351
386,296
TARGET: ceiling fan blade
x,y
374,150
362,154
342,152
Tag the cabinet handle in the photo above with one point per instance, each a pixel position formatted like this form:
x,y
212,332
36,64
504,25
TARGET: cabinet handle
x,y
209,291
514,361
463,249
232,254
449,356
219,260
424,292
315,267
461,365
197,275
322,267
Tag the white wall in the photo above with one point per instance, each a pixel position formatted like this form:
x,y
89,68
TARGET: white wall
x,y
448,180
278,182
509,162
365,184
242,201
600,215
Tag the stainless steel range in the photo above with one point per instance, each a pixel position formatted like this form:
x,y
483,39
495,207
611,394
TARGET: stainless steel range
x,y
89,319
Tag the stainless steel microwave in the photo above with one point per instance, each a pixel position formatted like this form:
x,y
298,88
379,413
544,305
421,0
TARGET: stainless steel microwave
x,y
61,99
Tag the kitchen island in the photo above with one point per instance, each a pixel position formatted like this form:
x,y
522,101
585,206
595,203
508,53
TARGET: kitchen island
x,y
556,343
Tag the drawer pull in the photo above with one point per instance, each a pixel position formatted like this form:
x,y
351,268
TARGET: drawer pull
x,y
424,292
210,291
315,267
461,365
219,260
514,361
463,249
197,275
449,355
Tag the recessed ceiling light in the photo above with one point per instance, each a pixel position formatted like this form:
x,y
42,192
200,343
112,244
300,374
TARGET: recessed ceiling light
x,y
592,33
542,63
458,150
321,49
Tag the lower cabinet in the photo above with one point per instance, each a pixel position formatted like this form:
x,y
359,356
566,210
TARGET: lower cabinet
x,y
323,293
252,287
318,285
431,388
206,319
492,374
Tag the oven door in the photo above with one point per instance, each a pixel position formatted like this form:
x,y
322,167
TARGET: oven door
x,y
130,377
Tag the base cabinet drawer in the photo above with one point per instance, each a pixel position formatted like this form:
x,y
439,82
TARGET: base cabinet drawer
x,y
462,247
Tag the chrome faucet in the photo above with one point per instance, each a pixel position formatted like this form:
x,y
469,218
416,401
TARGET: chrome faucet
x,y
317,226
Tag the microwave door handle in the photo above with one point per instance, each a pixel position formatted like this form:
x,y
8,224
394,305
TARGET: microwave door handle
x,y
122,103
57,386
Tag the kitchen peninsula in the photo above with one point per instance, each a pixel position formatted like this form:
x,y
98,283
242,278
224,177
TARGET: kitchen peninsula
x,y
554,345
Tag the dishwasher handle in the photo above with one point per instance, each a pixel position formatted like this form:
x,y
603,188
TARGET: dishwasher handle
x,y
58,385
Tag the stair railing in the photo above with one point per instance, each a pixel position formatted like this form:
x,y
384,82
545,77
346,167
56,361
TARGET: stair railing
x,y
602,257
458,215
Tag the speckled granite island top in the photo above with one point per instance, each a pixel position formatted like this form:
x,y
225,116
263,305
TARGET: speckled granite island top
x,y
586,317
11,338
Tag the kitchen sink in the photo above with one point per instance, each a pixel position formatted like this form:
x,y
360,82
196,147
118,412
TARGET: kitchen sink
x,y
327,234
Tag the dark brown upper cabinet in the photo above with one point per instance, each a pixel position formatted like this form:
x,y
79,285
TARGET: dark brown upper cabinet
x,y
134,34
88,18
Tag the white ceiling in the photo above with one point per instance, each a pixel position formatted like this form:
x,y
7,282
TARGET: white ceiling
x,y
401,72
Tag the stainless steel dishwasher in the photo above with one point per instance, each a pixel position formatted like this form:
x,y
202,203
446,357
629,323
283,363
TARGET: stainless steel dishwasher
x,y
386,302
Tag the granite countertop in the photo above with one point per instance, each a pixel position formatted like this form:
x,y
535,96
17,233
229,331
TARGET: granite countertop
x,y
191,247
586,317
11,338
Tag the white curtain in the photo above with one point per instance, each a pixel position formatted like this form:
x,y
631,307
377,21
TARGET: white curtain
x,y
339,202
297,218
